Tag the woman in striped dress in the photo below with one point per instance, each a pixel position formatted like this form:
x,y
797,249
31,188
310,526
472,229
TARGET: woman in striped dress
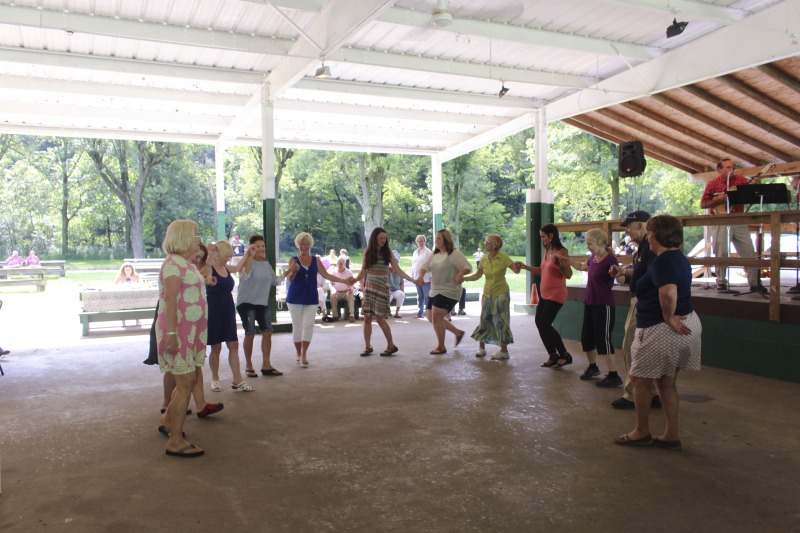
x,y
378,259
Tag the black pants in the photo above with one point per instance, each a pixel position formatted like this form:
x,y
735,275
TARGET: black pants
x,y
598,322
463,301
546,313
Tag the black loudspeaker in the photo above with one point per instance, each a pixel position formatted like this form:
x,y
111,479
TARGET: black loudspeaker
x,y
631,159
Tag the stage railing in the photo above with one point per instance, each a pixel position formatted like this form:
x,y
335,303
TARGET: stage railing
x,y
773,219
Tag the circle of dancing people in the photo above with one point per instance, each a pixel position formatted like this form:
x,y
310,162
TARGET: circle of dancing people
x,y
196,309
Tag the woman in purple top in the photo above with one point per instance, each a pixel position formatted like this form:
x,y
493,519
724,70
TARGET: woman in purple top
x,y
599,311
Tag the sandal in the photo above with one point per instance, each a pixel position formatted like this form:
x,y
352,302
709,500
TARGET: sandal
x,y
390,351
459,337
271,372
243,386
551,361
567,360
210,409
215,386
251,373
438,351
367,352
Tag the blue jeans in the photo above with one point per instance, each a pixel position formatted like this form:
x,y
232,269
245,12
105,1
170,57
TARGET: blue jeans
x,y
422,297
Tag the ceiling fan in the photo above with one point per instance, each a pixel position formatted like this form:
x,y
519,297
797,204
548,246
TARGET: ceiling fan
x,y
442,16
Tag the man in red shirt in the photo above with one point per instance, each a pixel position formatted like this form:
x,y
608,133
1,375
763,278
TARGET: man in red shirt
x,y
715,199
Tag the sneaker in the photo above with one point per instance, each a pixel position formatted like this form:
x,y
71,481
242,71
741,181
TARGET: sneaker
x,y
500,356
655,403
243,386
722,286
622,403
4,352
591,372
462,312
610,381
480,353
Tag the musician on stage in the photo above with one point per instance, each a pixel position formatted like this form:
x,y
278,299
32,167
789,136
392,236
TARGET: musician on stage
x,y
715,198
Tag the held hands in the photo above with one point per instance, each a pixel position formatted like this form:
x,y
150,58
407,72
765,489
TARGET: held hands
x,y
211,281
615,271
459,278
678,326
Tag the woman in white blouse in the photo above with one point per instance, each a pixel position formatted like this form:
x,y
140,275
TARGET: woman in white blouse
x,y
447,266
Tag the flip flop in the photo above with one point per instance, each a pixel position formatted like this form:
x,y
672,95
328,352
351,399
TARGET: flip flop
x,y
164,431
458,338
437,351
271,372
182,452
625,440
251,373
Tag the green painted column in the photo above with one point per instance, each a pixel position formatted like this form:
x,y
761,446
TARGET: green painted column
x,y
539,211
268,219
221,236
219,175
437,222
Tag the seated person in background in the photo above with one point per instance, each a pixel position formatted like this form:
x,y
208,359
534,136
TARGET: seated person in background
x,y
341,291
33,259
396,285
127,274
322,292
332,258
15,260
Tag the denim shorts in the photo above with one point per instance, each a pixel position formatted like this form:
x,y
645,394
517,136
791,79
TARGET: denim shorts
x,y
442,302
252,314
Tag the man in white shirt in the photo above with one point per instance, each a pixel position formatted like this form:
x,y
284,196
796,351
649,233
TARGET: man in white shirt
x,y
341,291
419,258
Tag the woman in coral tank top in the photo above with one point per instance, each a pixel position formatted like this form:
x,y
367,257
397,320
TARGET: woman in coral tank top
x,y
554,295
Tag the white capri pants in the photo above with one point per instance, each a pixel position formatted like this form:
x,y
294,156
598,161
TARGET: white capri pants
x,y
398,295
302,321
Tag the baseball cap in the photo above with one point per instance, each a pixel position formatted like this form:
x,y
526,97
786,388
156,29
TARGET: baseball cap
x,y
636,216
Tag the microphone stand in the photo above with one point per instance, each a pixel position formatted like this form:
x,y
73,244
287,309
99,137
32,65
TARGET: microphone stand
x,y
727,237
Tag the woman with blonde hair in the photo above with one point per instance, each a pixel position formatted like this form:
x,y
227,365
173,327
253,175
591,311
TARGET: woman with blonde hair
x,y
181,329
222,314
447,266
127,274
378,259
599,309
495,324
301,296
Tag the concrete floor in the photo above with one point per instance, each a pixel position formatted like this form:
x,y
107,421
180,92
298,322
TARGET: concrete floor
x,y
410,443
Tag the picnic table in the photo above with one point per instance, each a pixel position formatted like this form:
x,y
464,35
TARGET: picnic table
x,y
15,276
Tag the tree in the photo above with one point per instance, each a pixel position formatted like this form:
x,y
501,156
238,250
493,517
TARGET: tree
x,y
125,167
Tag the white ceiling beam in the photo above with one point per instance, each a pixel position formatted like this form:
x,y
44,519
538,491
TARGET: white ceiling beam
x,y
108,90
501,132
411,93
45,113
130,66
140,31
730,49
374,112
692,9
459,68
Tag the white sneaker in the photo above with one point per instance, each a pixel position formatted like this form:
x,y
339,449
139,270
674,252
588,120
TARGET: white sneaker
x,y
499,356
480,353
243,386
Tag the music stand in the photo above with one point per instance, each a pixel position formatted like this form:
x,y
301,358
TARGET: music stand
x,y
759,193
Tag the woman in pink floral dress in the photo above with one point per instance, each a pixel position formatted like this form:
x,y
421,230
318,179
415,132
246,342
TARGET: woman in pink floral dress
x,y
181,329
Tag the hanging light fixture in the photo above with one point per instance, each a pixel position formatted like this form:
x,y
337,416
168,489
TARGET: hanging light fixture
x,y
676,28
322,71
503,90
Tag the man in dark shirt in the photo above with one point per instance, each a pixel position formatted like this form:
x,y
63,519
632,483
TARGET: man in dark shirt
x,y
238,250
634,225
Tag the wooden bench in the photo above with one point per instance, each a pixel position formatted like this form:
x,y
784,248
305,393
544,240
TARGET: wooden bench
x,y
54,267
114,316
25,276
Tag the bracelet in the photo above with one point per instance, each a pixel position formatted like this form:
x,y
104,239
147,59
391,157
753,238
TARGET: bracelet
x,y
172,333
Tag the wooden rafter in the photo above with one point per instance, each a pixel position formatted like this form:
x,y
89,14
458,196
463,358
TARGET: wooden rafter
x,y
717,102
780,76
685,130
760,97
697,115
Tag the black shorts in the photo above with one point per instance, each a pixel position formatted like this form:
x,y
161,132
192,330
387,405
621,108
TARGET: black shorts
x,y
252,314
442,302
